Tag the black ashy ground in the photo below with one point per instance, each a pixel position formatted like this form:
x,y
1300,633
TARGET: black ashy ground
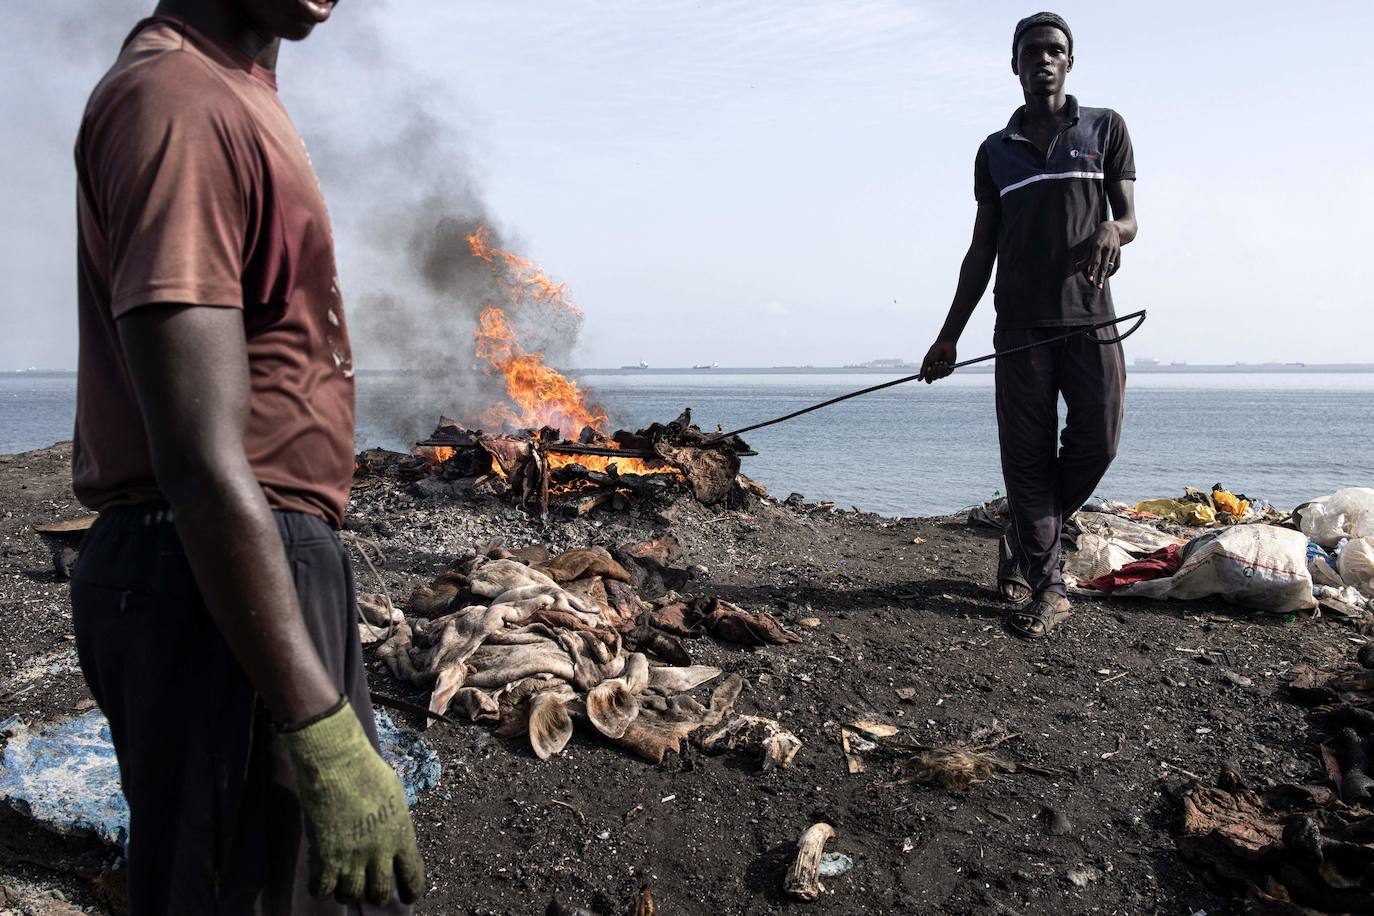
x,y
899,623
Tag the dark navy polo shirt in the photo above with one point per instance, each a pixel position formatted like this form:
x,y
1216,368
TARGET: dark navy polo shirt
x,y
1050,205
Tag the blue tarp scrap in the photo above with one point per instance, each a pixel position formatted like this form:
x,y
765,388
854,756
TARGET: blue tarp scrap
x,y
64,774
412,759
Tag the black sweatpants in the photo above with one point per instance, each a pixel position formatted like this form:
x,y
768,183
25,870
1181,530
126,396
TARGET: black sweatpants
x,y
1049,480
215,825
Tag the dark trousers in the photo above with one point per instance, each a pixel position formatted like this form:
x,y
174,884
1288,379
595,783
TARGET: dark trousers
x,y
215,825
1049,480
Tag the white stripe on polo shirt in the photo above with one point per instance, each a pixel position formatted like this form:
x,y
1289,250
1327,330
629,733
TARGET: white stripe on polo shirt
x,y
1034,178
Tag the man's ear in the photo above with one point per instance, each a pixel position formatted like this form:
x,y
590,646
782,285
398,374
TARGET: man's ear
x,y
1015,69
1069,68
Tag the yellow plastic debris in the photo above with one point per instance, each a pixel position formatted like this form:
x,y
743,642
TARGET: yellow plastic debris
x,y
1230,503
1185,513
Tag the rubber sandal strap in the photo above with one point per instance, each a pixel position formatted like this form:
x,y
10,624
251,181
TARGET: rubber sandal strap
x,y
1008,572
1040,618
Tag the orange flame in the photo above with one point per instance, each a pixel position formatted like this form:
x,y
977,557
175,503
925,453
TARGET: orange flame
x,y
539,395
436,453
525,279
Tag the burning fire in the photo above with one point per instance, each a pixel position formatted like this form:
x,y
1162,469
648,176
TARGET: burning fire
x,y
525,279
539,395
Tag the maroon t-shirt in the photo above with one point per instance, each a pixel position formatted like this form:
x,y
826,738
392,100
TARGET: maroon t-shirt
x,y
194,187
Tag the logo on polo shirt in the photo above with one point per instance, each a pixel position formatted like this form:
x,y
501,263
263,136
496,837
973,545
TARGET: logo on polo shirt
x,y
1084,154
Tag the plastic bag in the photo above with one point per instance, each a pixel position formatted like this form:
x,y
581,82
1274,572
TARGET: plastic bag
x,y
1230,503
1347,513
1356,565
1135,539
1095,556
1185,513
1322,566
1254,566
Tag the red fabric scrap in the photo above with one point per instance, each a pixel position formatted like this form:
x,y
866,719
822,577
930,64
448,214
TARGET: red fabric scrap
x,y
1163,562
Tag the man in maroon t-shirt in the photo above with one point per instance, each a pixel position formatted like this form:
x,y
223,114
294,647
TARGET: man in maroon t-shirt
x,y
213,603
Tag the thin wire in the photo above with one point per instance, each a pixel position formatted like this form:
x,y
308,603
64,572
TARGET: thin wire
x,y
1140,316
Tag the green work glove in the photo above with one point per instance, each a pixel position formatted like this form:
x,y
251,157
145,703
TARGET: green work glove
x,y
357,809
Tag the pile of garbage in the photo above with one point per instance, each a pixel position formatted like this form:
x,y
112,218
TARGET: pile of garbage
x,y
1340,549
1321,556
1199,509
1298,849
532,643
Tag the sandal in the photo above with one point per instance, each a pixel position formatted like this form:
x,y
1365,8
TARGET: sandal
x,y
1041,616
1011,582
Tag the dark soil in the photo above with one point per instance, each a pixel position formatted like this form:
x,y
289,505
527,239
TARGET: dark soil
x,y
1124,699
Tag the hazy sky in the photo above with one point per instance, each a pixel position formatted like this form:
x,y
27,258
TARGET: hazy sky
x,y
767,182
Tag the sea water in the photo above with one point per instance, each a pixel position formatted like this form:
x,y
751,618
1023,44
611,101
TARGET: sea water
x,y
921,449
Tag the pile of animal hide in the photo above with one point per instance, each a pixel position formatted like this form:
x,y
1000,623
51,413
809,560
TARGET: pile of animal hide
x,y
534,643
1295,850
1299,849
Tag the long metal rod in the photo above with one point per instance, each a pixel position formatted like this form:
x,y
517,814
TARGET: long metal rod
x,y
1139,316
566,448
569,448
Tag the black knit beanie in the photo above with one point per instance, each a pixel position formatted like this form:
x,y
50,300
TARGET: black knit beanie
x,y
1038,19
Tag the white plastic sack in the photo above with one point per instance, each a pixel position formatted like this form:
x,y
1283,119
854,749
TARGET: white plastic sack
x,y
1254,566
1132,537
1347,513
1095,556
1356,565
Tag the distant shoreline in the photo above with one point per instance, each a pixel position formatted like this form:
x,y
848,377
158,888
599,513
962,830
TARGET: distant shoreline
x,y
1183,369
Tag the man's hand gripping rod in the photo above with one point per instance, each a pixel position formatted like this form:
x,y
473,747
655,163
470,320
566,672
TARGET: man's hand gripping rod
x,y
1089,332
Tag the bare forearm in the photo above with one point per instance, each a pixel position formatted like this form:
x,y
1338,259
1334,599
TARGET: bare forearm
x,y
974,274
190,369
236,554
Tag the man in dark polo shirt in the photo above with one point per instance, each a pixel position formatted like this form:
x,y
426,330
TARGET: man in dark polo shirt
x,y
1055,193
213,603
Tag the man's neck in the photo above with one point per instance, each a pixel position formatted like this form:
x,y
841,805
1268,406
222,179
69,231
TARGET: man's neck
x,y
1047,109
222,21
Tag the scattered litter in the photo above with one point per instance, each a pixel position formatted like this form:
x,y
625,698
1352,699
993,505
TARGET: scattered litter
x,y
810,621
850,742
1082,875
876,729
834,864
667,798
774,745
